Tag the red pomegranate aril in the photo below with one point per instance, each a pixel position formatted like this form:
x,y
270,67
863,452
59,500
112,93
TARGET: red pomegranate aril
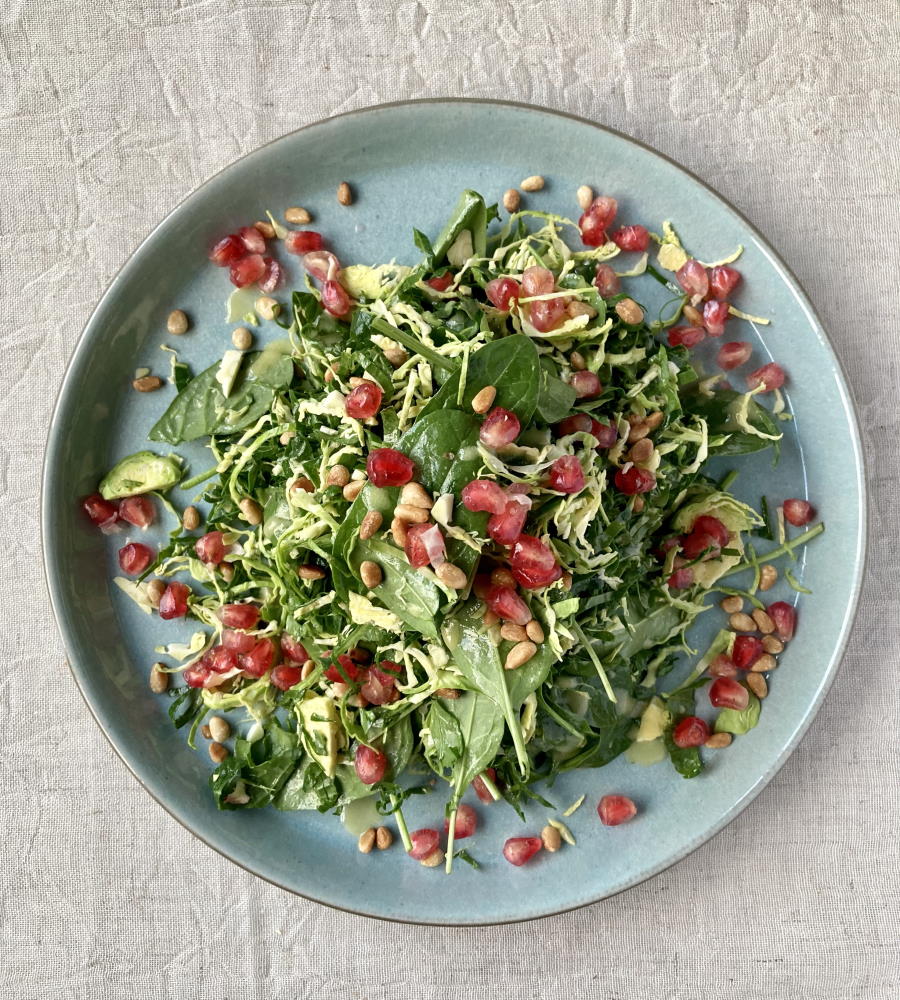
x,y
481,789
424,842
240,642
101,512
364,400
537,281
686,336
785,617
259,659
174,601
138,511
606,434
378,687
239,615
715,315
596,220
211,548
344,671
519,850
723,280
500,292
389,467
302,241
699,543
566,475
335,300
722,666
796,512
135,557
484,495
252,239
506,527
533,563
587,385
693,278
631,238
228,251
747,649
546,314
247,270
614,810
272,276
726,692
770,377
292,649
690,732
371,764
712,526
440,283
506,603
322,265
481,585
220,659
681,579
634,480
415,547
500,428
196,676
578,423
465,823
285,676
607,281
733,354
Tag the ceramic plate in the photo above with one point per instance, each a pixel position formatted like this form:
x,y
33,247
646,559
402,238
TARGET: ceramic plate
x,y
408,163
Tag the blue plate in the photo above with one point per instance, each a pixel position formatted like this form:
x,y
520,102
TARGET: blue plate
x,y
408,163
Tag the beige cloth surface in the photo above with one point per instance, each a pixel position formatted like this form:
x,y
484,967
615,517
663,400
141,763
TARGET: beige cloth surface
x,y
110,113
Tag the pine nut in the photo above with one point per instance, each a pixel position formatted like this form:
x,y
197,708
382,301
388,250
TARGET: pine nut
x,y
383,838
267,307
242,338
764,664
190,519
434,859
534,631
576,360
307,669
330,372
641,451
511,200
533,183
450,693
629,311
159,679
502,578
398,531
338,475
741,622
266,228
308,572
578,308
512,632
356,380
763,622
217,753
226,570
490,618
767,576
353,489
521,653
551,839
638,431
732,605
412,515
653,420
366,840
566,580
219,728
297,216
637,504
286,438
155,590
205,733
415,495
452,576
344,194
370,573
757,684
693,316
302,483
251,510
395,356
147,383
177,323
483,400
718,741
772,644
584,196
370,524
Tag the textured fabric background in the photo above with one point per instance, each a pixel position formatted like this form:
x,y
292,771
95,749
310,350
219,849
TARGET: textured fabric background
x,y
111,111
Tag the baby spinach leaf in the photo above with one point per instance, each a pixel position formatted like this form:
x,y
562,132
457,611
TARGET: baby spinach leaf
x,y
397,744
686,760
444,741
309,787
480,724
264,766
718,411
411,595
273,365
470,213
555,397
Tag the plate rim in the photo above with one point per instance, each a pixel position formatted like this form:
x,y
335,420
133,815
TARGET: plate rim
x,y
811,710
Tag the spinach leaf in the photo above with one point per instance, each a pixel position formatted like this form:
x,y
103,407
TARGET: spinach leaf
x,y
579,726
309,787
263,766
480,724
397,744
686,760
411,595
555,397
442,738
718,411
470,213
186,703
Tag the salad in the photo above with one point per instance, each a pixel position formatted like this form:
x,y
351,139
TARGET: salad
x,y
457,520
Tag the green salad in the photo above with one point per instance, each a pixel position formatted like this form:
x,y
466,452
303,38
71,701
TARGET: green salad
x,y
456,520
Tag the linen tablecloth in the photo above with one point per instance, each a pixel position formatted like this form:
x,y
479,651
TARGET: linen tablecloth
x,y
112,111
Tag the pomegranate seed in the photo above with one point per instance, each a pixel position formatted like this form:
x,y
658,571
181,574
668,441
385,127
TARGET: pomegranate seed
x,y
538,281
690,732
220,659
240,642
770,377
335,300
693,278
519,850
239,615
616,809
416,550
424,842
484,495
259,659
302,241
378,687
101,512
441,283
631,238
712,526
587,385
389,467
211,548
723,280
500,428
134,558
174,601
371,765
501,292
533,563
247,271
686,336
681,579
606,434
634,480
465,823
506,603
607,281
733,354
700,543
273,275
505,528
746,651
285,676
546,314
252,239
596,220
138,511
322,265
722,666
292,649
726,692
715,315
578,423
785,617
364,400
796,512
481,585
228,251
566,475
345,670
197,676
481,789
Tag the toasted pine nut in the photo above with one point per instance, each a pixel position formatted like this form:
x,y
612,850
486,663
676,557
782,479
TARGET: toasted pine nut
x,y
533,183
226,571
483,400
767,576
641,451
511,200
155,589
303,483
147,383
395,356
451,575
415,495
242,338
638,431
251,510
370,524
338,475
512,632
330,372
490,618
578,308
763,622
267,307
353,489
205,733
219,728
629,311
502,578
450,693
297,216
308,572
307,669
693,316
718,740
521,653
286,438
266,228
217,753
731,605
772,644
637,504
584,196
190,519
177,323
434,859
344,194
551,838
159,679
398,531
567,580
370,573
576,360
764,664
366,840
757,684
741,622
534,631
653,420
412,515
383,838
356,380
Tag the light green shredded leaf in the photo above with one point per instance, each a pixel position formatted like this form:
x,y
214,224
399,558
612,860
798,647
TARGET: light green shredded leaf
x,y
574,806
